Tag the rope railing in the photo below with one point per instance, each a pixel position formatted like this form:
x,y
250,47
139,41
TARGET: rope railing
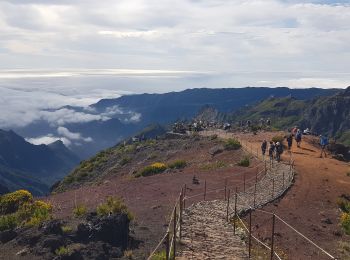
x,y
270,170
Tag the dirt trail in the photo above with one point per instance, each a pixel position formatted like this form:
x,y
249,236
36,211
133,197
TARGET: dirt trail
x,y
311,204
208,235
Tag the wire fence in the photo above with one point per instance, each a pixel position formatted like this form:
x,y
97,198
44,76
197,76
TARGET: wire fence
x,y
271,181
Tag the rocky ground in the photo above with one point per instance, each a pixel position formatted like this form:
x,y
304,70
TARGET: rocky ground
x,y
93,238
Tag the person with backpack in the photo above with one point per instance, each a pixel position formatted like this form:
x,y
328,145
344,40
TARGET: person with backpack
x,y
263,148
290,141
323,143
279,151
298,138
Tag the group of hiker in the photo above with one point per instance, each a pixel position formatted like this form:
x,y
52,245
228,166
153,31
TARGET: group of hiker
x,y
275,149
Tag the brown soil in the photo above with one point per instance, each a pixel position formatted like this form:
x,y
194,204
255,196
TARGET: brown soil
x,y
310,206
151,198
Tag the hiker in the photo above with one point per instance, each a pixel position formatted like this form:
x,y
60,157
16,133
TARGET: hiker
x,y
323,143
279,151
263,147
271,150
298,138
290,141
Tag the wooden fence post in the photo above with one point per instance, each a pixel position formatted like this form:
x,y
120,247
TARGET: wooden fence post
x,y
250,234
235,216
243,181
265,168
174,236
205,189
283,179
254,194
272,236
167,246
273,187
185,196
225,188
228,205
181,208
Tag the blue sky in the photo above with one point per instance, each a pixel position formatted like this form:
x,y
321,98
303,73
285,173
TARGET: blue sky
x,y
55,53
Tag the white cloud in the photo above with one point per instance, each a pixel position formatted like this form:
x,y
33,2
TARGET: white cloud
x,y
48,139
62,131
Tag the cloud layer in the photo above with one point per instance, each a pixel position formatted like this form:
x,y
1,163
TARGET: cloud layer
x,y
56,53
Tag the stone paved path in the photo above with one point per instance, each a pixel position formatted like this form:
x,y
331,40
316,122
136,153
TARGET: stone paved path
x,y
207,234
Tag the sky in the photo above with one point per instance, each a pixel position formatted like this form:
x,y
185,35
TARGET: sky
x,y
75,52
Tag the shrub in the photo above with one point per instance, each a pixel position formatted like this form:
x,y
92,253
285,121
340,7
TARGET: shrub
x,y
124,160
213,165
19,209
345,222
8,222
113,205
232,144
35,213
66,229
10,202
152,169
178,164
344,205
278,138
62,251
245,162
213,137
79,211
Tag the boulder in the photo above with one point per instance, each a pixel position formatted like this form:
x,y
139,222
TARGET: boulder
x,y
52,227
7,235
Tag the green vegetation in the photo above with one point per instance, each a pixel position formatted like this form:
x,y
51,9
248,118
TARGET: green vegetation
x,y
245,162
213,165
66,229
113,205
152,169
178,164
344,205
62,251
213,137
278,138
232,144
79,211
161,255
19,209
125,160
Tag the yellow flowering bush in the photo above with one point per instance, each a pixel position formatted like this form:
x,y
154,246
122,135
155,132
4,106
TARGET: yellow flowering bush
x,y
152,169
113,205
345,222
19,209
11,202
